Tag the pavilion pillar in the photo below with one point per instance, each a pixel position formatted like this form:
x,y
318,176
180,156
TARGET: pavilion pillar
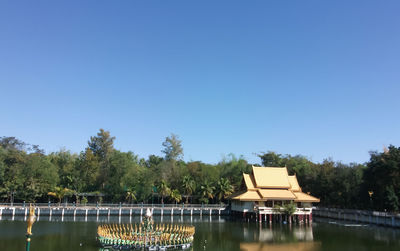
x,y
310,220
270,218
260,217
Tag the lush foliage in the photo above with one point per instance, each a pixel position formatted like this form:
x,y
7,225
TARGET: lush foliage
x,y
102,173
383,179
289,208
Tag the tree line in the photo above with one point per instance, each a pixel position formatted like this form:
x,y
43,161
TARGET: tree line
x,y
101,173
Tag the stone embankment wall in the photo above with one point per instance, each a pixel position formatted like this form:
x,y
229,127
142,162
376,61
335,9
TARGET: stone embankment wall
x,y
360,216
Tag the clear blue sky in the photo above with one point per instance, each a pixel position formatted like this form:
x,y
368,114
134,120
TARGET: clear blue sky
x,y
317,78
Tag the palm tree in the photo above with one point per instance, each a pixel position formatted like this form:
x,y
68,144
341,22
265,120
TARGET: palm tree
x,y
60,193
163,190
207,191
130,195
224,189
176,196
189,186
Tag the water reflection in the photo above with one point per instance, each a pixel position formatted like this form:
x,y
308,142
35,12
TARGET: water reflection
x,y
278,233
306,235
279,237
300,246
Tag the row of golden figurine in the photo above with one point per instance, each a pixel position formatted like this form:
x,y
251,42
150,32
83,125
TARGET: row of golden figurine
x,y
121,235
140,229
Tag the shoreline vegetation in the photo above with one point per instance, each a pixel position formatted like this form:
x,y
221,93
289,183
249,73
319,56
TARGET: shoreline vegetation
x,y
100,173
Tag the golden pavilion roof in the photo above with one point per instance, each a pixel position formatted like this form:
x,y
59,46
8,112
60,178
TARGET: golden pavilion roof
x,y
272,183
294,184
303,197
271,177
276,194
248,196
249,181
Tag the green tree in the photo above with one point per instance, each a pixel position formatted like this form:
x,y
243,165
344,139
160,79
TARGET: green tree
x,y
271,159
12,172
189,186
289,208
207,191
65,163
325,182
130,195
84,200
234,167
102,146
87,172
141,180
12,143
224,189
59,193
163,190
175,195
121,163
382,176
392,198
153,161
172,148
2,170
39,176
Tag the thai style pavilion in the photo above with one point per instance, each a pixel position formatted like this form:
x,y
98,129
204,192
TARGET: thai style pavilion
x,y
267,187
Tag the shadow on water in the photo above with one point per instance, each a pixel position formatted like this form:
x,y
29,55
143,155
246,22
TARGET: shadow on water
x,y
212,233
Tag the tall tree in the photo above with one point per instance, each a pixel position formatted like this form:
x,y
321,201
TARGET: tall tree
x,y
88,170
172,148
65,163
102,146
121,163
12,143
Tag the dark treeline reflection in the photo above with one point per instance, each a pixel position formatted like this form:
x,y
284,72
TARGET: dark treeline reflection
x,y
101,173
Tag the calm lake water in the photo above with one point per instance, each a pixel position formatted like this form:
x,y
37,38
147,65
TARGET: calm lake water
x,y
216,233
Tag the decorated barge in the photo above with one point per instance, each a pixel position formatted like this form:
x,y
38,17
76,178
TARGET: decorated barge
x,y
145,235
